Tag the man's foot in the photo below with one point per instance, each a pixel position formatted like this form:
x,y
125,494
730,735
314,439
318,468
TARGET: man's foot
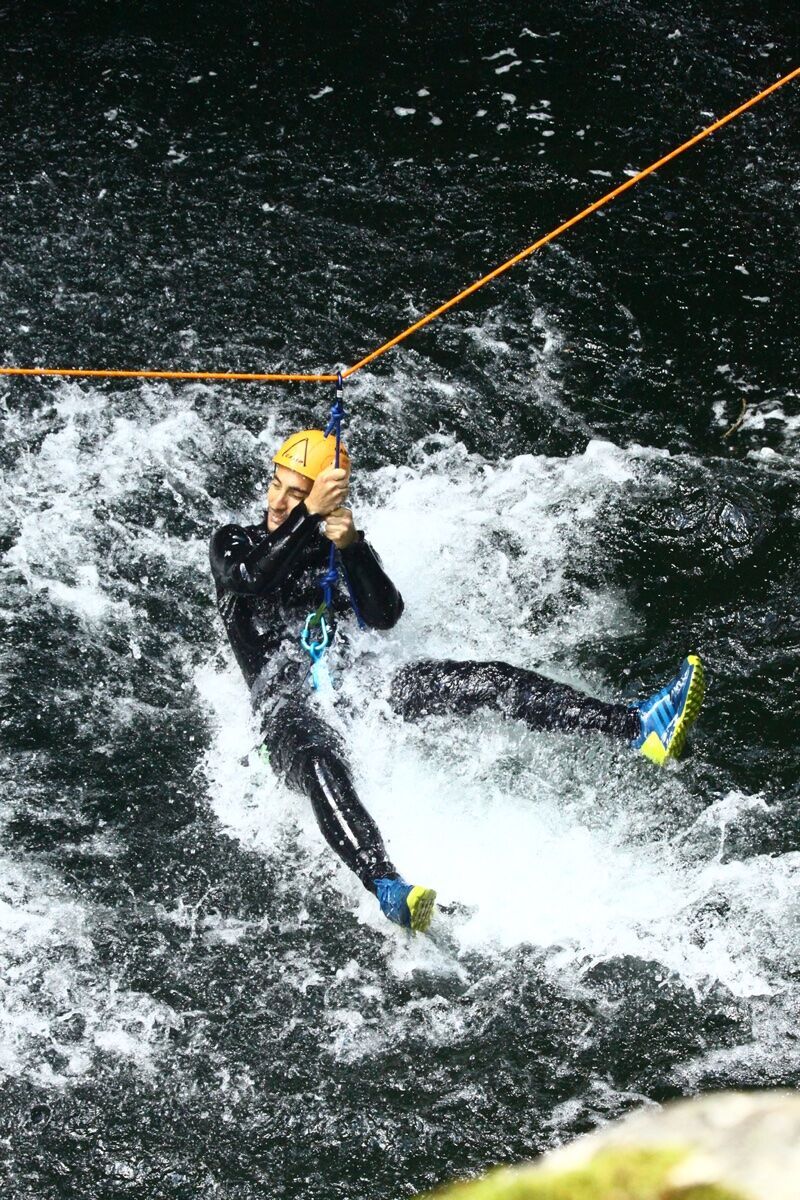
x,y
665,717
405,904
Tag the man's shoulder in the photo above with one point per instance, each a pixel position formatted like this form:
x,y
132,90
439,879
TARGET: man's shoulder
x,y
234,533
232,541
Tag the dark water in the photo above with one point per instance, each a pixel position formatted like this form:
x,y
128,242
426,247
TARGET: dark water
x,y
195,1000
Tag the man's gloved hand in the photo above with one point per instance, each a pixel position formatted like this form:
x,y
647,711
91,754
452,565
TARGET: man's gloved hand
x,y
329,491
339,527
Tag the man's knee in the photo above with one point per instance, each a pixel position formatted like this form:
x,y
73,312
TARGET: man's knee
x,y
330,772
414,689
294,739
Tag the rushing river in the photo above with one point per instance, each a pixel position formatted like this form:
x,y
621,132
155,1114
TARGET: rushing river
x,y
196,1000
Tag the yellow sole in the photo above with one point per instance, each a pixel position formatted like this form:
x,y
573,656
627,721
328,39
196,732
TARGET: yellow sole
x,y
421,903
694,700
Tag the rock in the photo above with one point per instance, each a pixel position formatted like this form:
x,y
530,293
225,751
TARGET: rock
x,y
679,525
725,1146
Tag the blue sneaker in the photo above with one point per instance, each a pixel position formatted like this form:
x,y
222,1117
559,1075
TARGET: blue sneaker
x,y
405,904
665,718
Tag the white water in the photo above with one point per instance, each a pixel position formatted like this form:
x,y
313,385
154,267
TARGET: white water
x,y
550,841
50,976
543,837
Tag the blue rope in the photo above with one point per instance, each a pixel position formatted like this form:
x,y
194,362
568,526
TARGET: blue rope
x,y
331,577
315,647
362,624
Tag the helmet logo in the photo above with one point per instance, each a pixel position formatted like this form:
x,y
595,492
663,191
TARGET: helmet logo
x,y
298,452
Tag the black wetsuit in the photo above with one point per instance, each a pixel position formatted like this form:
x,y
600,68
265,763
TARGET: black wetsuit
x,y
268,583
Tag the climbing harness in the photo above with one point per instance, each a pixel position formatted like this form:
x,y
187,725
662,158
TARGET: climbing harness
x,y
315,636
255,377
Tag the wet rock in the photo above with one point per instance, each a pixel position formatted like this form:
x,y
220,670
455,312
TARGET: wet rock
x,y
715,528
684,529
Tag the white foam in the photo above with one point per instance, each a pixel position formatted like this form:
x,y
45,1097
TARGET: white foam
x,y
552,841
771,413
533,832
49,975
55,497
60,501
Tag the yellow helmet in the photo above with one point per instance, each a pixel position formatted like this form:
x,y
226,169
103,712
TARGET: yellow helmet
x,y
309,452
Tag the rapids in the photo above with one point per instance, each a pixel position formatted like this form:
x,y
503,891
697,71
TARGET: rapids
x,y
196,999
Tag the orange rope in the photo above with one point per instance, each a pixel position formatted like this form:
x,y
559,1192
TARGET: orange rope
x,y
623,187
437,312
241,376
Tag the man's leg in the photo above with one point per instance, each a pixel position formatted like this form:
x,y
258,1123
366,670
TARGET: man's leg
x,y
306,754
429,686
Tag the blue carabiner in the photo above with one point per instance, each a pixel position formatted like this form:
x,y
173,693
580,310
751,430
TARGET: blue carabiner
x,y
315,647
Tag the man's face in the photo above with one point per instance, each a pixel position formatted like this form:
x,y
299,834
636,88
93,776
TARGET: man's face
x,y
285,492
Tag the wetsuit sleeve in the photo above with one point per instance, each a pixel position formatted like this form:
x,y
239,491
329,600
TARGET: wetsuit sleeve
x,y
248,566
379,601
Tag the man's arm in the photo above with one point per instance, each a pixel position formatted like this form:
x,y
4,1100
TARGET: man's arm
x,y
378,600
250,566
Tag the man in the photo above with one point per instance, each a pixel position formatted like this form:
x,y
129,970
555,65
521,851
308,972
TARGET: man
x,y
267,579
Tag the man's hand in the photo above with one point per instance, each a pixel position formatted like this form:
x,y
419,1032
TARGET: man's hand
x,y
329,491
340,529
